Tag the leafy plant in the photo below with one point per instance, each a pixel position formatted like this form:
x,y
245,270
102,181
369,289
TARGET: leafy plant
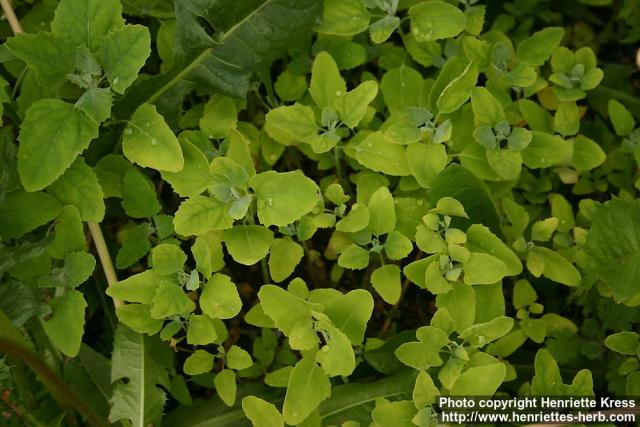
x,y
314,212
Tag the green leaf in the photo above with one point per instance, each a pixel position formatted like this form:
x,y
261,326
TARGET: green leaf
x,y
390,414
436,20
283,198
483,269
622,120
481,239
225,382
554,266
542,231
199,362
66,324
487,110
208,254
350,313
52,57
623,343
220,298
88,22
545,150
326,83
52,135
284,256
357,219
252,36
96,102
612,243
354,257
397,246
352,106
248,244
167,259
138,318
149,142
220,116
507,164
199,215
286,310
401,88
458,91
460,302
343,18
194,177
536,49
382,216
140,287
380,155
426,161
201,330
77,268
68,233
480,380
382,29
291,124
308,387
79,187
460,184
139,198
139,399
547,379
587,154
238,359
262,413
170,300
567,119
386,281
481,334
21,212
122,53
134,247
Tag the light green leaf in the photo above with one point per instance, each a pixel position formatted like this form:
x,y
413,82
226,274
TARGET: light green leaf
x,y
220,298
170,300
386,281
208,254
201,330
138,317
283,198
554,266
140,287
380,155
382,216
436,20
536,49
96,102
198,362
291,124
284,256
623,343
483,269
225,382
167,259
352,106
357,219
487,110
622,120
350,313
587,154
308,387
343,18
86,23
567,119
397,246
194,177
199,215
481,239
66,324
480,380
248,244
238,358
149,142
79,187
481,334
458,91
122,54
220,116
401,88
354,257
77,268
286,310
426,161
52,135
68,233
545,150
326,83
261,413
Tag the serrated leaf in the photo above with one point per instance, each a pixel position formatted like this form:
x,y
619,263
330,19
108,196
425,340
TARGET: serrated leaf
x,y
52,135
86,23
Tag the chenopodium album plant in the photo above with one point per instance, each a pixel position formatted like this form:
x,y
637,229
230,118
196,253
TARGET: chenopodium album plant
x,y
384,217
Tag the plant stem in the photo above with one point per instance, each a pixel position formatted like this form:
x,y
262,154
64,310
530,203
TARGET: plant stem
x,y
11,16
105,258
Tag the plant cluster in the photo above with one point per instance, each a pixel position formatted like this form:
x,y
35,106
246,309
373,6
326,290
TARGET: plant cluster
x,y
310,212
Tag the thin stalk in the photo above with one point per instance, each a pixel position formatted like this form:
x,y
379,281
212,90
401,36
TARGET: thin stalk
x,y
105,258
11,16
